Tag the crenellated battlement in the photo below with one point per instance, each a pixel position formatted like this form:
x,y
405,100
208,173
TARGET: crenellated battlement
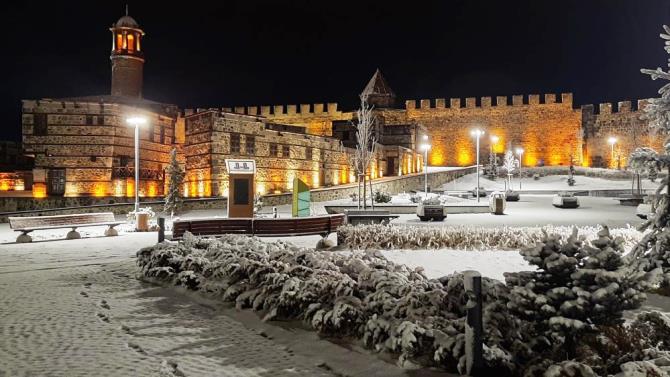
x,y
621,107
291,110
564,99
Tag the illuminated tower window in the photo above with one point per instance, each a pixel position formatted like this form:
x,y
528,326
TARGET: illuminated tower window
x,y
131,43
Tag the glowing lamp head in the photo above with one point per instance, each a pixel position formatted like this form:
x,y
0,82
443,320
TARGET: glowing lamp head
x,y
425,147
495,139
519,151
612,140
477,133
425,137
136,121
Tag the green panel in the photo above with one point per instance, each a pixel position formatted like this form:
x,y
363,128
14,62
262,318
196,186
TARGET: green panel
x,y
301,199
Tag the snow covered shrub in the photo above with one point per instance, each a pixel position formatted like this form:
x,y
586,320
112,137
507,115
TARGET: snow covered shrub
x,y
390,308
378,236
382,197
578,286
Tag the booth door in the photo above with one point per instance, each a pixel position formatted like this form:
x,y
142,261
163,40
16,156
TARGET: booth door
x,y
241,196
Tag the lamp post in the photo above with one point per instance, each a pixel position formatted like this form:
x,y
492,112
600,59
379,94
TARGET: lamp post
x,y
612,140
478,134
493,159
425,147
137,121
519,151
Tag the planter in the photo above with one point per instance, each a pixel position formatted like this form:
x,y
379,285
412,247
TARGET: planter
x,y
565,201
482,192
434,212
512,196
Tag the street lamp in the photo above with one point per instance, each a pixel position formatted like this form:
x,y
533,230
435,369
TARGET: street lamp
x,y
425,147
519,151
137,121
612,140
478,134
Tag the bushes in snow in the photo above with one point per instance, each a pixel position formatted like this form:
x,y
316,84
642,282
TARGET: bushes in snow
x,y
389,307
378,236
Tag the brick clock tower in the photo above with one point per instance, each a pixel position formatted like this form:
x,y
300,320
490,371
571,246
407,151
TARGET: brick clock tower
x,y
127,57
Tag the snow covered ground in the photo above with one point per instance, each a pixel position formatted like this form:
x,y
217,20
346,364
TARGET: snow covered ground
x,y
547,183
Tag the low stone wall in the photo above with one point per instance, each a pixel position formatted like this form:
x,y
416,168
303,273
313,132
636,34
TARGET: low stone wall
x,y
64,206
391,185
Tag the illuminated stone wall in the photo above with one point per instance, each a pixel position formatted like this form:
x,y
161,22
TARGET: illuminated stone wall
x,y
548,130
208,145
91,141
623,123
316,118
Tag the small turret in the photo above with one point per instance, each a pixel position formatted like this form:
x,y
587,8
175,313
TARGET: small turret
x,y
378,93
127,57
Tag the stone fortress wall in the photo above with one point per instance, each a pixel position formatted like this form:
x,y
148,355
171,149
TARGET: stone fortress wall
x,y
623,122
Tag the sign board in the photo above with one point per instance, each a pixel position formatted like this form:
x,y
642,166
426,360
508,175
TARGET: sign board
x,y
301,199
241,174
241,166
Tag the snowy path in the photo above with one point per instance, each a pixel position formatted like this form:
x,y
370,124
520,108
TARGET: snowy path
x,y
74,308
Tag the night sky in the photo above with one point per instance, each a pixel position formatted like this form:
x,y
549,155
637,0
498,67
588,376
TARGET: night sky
x,y
229,53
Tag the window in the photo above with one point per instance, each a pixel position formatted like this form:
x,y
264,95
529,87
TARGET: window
x,y
162,135
101,120
131,42
250,145
308,153
89,120
235,143
40,125
273,150
286,151
119,41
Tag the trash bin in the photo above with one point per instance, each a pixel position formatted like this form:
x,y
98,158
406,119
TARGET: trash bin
x,y
142,222
497,203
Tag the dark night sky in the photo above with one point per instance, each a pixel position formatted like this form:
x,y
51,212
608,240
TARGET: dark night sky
x,y
228,53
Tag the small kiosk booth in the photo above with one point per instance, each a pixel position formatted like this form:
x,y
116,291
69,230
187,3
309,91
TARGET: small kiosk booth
x,y
241,188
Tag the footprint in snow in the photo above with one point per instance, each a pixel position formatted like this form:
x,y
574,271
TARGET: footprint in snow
x,y
169,369
88,285
104,305
127,330
103,317
136,348
83,294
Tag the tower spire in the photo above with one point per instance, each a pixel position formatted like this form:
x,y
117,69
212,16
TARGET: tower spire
x,y
126,9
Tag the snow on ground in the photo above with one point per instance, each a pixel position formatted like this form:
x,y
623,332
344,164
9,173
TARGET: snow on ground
x,y
438,263
75,308
548,183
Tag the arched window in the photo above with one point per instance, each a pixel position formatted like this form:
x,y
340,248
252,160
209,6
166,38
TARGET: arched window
x,y
119,42
131,42
138,43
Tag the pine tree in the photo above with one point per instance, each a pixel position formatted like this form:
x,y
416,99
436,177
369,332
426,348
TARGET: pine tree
x,y
176,175
653,251
577,287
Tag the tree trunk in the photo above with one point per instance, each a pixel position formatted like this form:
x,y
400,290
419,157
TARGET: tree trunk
x,y
359,192
365,201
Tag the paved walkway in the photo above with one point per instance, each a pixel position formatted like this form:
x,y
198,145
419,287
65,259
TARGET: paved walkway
x,y
75,308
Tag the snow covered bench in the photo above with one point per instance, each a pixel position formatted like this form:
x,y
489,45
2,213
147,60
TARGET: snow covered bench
x,y
296,226
26,225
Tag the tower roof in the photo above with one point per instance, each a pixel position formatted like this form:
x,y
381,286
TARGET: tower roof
x,y
378,86
127,21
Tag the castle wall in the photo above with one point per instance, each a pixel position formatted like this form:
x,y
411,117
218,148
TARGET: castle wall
x,y
316,118
208,145
547,128
622,122
94,146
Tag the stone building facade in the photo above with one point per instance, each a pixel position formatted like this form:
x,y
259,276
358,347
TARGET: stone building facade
x,y
83,146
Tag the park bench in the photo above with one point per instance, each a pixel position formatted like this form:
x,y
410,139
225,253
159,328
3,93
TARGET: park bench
x,y
363,217
631,201
275,227
26,225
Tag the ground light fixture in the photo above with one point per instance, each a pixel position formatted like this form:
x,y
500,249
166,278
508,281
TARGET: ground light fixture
x,y
137,121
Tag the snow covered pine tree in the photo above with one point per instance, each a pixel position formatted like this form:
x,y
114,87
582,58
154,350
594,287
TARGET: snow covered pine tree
x,y
509,164
578,286
174,196
654,249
